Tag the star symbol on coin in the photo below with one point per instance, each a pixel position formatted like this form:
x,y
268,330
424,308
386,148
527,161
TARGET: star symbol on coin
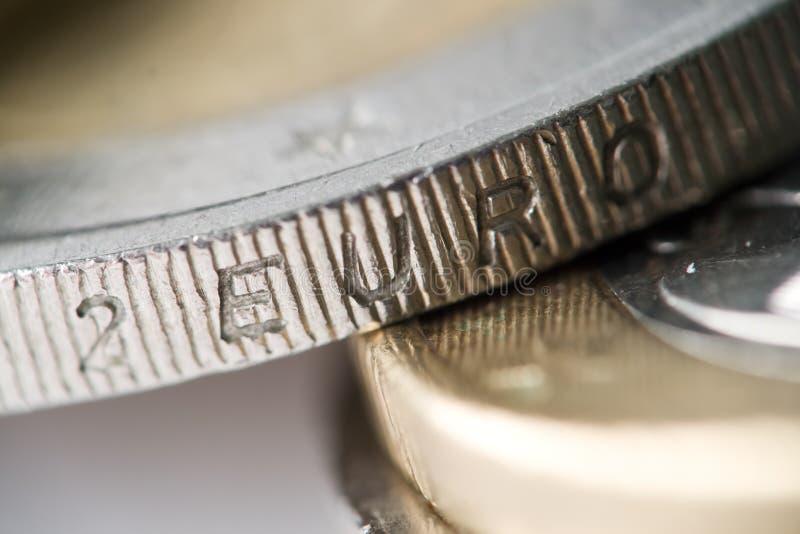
x,y
339,139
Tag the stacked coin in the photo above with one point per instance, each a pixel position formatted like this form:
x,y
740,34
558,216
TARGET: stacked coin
x,y
653,389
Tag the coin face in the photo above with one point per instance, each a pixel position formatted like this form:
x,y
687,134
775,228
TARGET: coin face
x,y
141,260
725,287
575,414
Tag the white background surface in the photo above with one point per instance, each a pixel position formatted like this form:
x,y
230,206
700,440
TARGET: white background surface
x,y
250,451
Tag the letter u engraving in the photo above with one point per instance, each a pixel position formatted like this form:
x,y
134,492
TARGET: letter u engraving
x,y
353,284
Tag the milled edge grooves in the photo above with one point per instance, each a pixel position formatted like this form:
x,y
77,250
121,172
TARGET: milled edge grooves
x,y
725,110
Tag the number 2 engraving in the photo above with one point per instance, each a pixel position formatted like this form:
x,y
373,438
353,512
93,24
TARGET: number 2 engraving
x,y
117,309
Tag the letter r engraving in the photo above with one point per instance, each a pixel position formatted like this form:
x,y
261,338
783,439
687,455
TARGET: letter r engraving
x,y
517,218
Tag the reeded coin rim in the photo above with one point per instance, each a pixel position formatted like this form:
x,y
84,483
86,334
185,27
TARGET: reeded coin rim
x,y
541,65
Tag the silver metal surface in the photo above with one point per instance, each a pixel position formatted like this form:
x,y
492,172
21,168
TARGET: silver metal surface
x,y
725,289
536,142
198,181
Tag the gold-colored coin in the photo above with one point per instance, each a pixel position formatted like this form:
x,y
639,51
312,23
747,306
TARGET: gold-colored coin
x,y
560,412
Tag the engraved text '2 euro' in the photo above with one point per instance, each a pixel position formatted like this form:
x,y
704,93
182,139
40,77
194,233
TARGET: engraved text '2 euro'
x,y
654,144
520,192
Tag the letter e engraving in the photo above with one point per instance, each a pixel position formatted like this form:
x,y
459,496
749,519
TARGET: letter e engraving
x,y
353,285
230,302
517,218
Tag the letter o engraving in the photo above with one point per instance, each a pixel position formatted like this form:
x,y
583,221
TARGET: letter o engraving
x,y
652,138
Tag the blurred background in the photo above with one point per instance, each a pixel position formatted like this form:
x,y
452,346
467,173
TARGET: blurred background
x,y
91,67
250,451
